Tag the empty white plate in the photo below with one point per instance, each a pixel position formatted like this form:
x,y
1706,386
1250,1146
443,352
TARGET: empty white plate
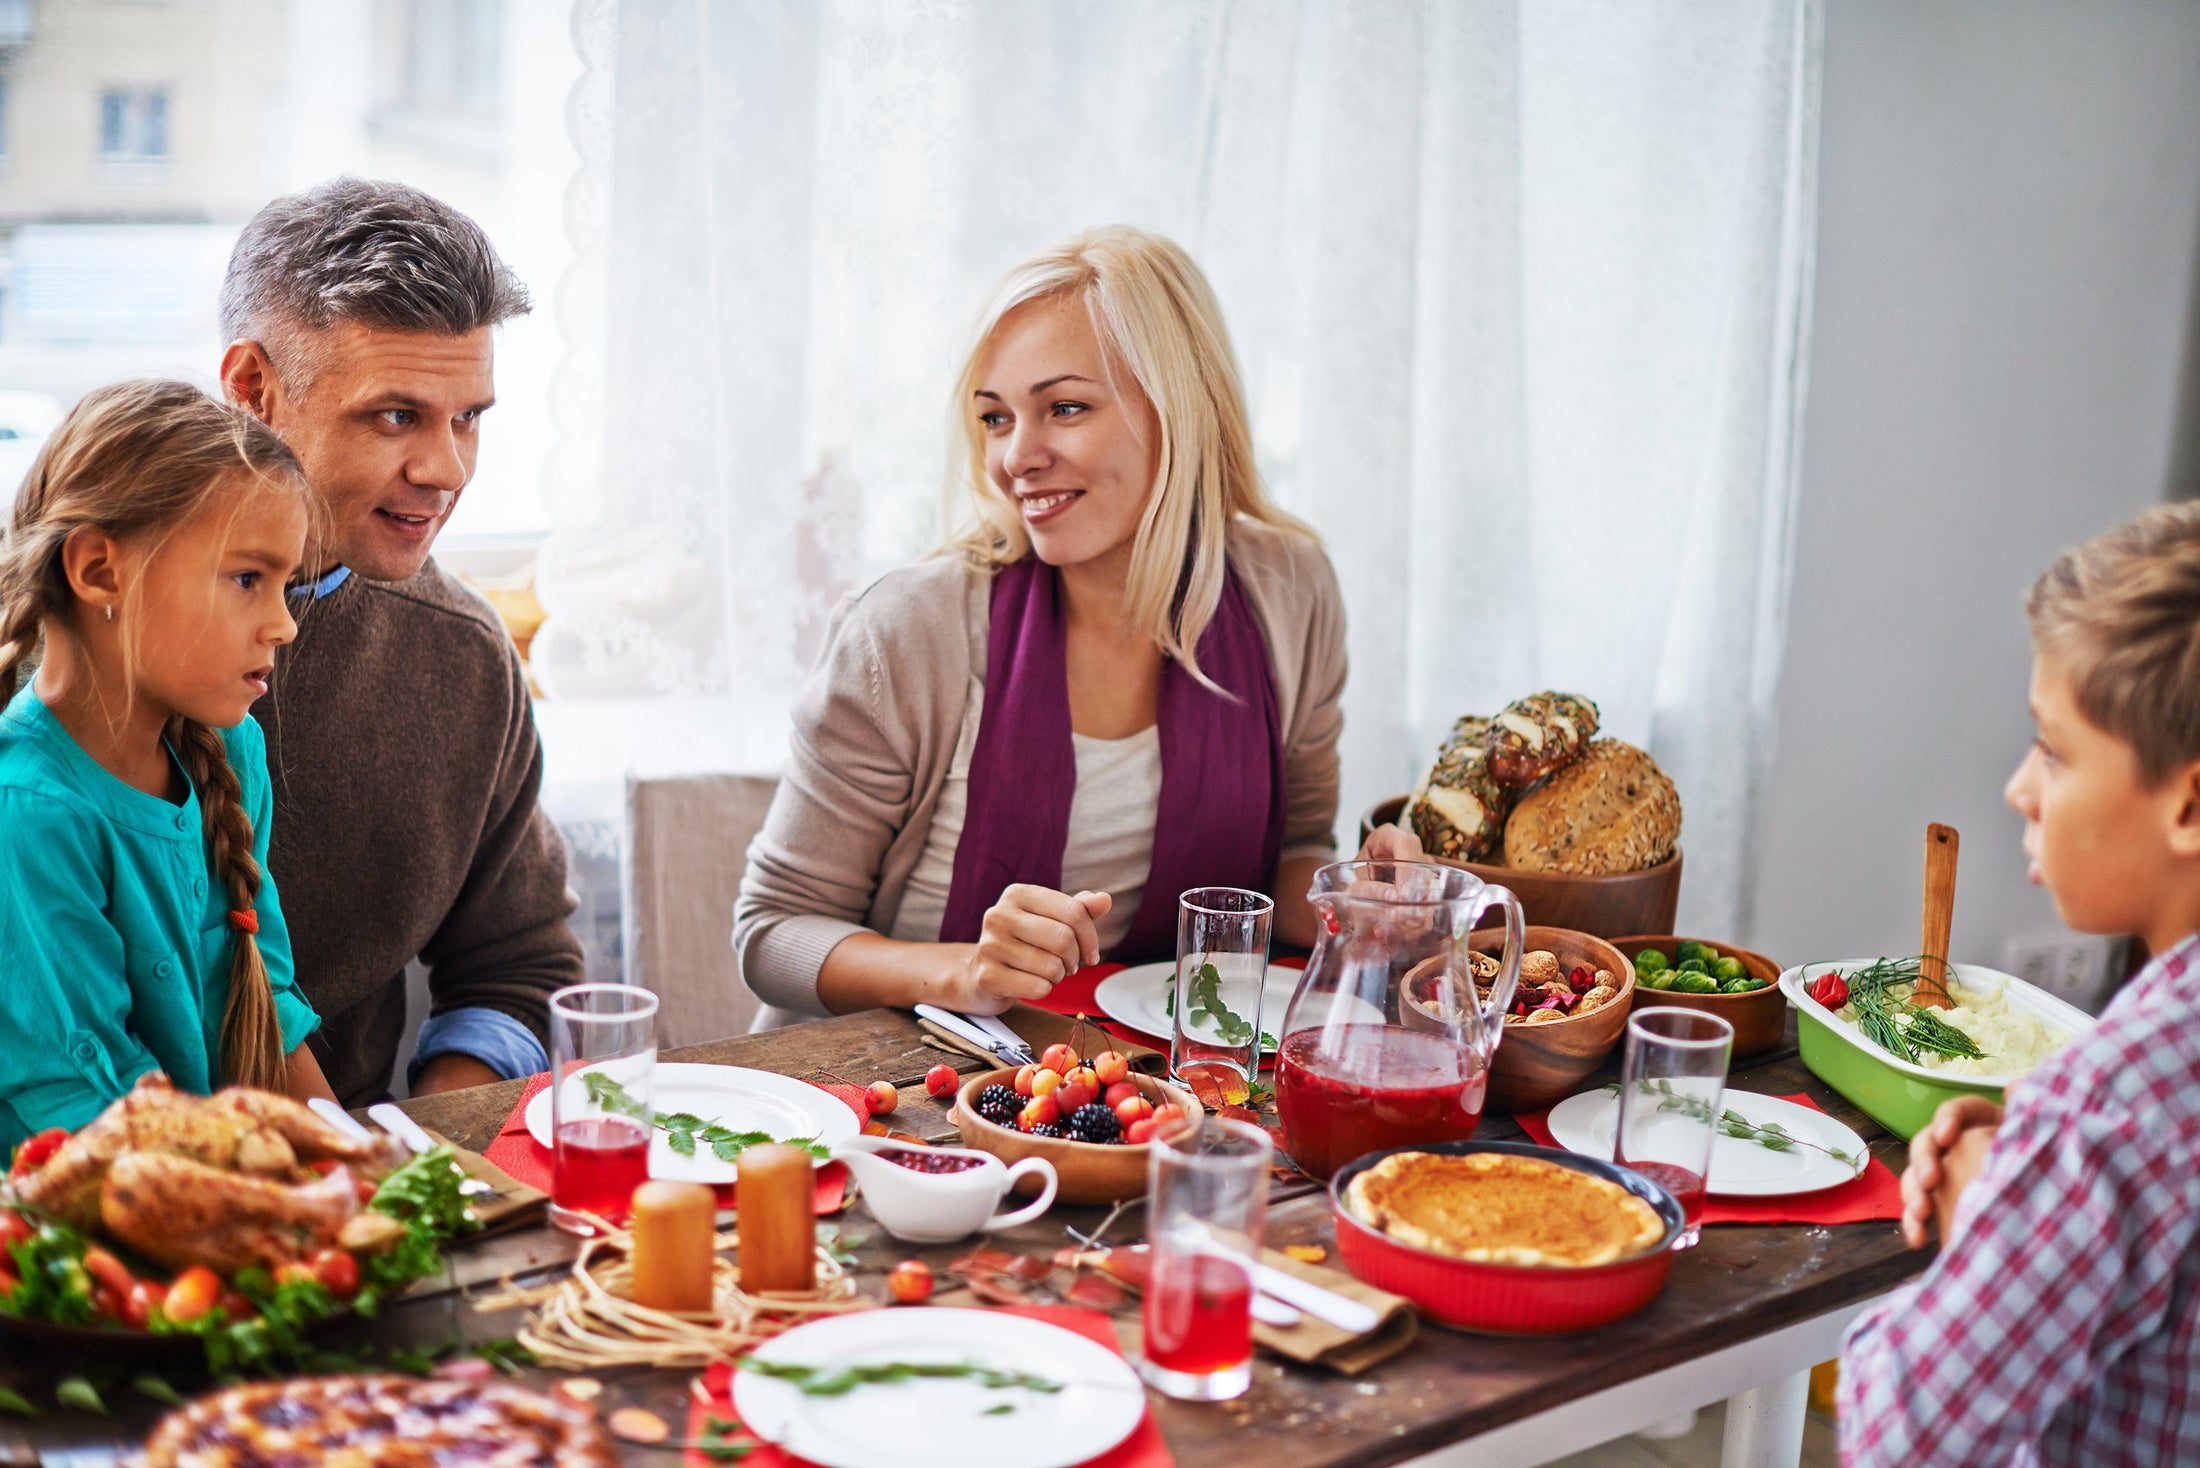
x,y
1589,1123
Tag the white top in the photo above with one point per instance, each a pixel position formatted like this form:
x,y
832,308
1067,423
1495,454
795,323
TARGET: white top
x,y
1111,823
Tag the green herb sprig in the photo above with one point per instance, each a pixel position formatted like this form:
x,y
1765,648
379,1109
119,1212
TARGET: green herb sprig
x,y
838,1381
684,1131
1769,1135
1231,1027
1895,1025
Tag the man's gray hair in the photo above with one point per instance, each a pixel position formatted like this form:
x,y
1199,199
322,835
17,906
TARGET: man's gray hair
x,y
380,254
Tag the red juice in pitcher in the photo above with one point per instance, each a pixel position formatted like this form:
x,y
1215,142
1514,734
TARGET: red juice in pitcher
x,y
1343,1091
1199,1313
600,1161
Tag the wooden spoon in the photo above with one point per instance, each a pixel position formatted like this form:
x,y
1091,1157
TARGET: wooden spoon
x,y
1941,844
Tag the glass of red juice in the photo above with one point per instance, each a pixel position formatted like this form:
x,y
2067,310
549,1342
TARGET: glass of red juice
x,y
1206,1207
603,1056
1672,1085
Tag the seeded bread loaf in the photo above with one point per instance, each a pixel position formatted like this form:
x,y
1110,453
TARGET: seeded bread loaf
x,y
1611,810
1534,736
1459,811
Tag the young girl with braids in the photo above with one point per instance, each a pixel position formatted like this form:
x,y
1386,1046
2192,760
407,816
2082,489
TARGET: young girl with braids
x,y
144,566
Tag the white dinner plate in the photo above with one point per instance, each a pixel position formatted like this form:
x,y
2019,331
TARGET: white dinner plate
x,y
944,1422
738,1098
1139,996
1589,1122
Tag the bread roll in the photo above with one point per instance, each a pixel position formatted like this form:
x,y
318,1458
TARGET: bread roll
x,y
1459,811
1534,736
1611,810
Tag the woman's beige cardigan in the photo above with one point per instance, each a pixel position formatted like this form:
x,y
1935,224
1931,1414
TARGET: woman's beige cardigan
x,y
876,724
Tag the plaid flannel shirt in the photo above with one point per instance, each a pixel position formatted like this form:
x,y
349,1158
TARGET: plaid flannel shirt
x,y
2063,1326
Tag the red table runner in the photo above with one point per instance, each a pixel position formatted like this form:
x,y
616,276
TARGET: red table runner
x,y
1144,1448
521,1156
1875,1195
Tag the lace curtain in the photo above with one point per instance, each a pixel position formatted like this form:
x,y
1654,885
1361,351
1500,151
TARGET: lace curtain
x,y
1520,290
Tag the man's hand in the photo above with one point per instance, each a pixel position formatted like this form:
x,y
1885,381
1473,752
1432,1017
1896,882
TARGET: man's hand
x,y
452,1071
1944,1158
1031,940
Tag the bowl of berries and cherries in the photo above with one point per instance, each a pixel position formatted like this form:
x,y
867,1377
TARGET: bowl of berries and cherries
x,y
1089,1116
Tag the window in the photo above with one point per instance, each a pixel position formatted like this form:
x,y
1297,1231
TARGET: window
x,y
133,124
451,56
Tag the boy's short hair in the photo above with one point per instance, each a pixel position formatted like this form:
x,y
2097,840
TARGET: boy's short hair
x,y
2122,614
384,255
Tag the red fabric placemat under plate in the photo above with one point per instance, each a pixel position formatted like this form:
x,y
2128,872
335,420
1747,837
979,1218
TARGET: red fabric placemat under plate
x,y
1074,996
519,1154
1874,1196
1144,1448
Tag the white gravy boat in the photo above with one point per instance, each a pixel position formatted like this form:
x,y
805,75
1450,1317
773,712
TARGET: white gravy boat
x,y
937,1207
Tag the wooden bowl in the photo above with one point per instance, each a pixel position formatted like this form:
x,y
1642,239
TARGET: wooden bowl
x,y
1087,1173
1759,1017
1625,902
1541,1064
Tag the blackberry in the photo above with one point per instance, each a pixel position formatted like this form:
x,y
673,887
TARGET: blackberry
x,y
1093,1122
999,1105
1046,1129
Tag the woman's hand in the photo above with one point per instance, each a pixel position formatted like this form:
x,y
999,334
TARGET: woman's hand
x,y
1395,842
1030,940
1944,1158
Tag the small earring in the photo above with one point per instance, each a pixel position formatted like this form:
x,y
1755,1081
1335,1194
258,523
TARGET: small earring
x,y
110,611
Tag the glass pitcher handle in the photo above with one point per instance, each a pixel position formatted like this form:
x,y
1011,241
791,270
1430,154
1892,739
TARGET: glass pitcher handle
x,y
1516,943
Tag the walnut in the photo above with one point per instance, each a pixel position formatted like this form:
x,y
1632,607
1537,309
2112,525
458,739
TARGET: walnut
x,y
1484,967
1541,968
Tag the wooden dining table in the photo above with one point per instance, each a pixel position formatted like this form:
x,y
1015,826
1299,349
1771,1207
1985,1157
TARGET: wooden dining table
x,y
1742,1318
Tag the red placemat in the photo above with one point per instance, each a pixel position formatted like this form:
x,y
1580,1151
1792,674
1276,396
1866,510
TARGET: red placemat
x,y
1875,1195
1144,1448
1074,996
520,1155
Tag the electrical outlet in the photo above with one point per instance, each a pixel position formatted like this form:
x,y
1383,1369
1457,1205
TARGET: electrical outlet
x,y
2081,968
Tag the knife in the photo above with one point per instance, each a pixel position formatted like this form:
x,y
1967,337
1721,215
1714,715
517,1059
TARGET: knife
x,y
1343,1313
417,1141
998,1040
337,1117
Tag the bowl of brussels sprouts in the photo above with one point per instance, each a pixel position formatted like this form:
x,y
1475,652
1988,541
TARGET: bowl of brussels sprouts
x,y
1733,983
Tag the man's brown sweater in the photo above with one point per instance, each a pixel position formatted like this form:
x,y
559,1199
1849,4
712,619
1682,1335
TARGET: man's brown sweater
x,y
402,750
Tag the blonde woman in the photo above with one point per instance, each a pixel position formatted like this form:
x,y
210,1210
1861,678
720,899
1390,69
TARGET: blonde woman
x,y
1123,681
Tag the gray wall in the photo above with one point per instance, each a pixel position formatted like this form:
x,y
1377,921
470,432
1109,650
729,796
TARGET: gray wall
x,y
2008,198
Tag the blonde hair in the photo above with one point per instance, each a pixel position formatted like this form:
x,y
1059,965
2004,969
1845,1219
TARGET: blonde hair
x,y
1154,312
2122,612
137,461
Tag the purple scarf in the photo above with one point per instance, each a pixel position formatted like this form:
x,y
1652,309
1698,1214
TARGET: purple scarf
x,y
1220,818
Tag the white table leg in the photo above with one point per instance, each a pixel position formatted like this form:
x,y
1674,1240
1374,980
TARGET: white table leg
x,y
1764,1425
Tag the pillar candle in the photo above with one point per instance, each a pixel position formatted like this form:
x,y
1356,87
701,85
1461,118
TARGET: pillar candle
x,y
675,1228
772,1195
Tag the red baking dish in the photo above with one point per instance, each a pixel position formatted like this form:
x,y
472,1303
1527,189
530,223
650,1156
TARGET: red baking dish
x,y
1508,1299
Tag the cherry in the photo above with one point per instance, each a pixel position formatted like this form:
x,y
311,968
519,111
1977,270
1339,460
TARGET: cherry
x,y
881,1097
1021,1085
1042,1109
1059,1058
1133,1108
1140,1132
1111,1066
1119,1092
1045,1081
910,1281
940,1081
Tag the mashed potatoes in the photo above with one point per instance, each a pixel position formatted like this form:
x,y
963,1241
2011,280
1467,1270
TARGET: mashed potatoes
x,y
2013,1041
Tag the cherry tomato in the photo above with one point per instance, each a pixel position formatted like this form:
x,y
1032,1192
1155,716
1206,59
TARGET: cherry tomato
x,y
8,1281
910,1281
940,1081
1830,990
106,1302
14,1227
137,1306
366,1189
296,1272
339,1270
109,1271
237,1307
323,1166
37,1151
192,1295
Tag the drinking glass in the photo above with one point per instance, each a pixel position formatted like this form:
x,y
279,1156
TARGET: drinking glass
x,y
1671,1087
1206,1205
1221,964
603,1046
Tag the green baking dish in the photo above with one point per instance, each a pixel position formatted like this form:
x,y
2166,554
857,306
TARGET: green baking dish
x,y
1898,1095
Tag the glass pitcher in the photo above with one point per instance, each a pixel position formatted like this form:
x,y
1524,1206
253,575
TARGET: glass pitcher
x,y
1387,1041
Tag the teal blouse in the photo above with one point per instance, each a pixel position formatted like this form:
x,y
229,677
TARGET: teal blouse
x,y
114,928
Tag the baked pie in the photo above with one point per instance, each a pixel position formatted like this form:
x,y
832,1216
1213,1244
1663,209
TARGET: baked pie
x,y
1501,1208
377,1422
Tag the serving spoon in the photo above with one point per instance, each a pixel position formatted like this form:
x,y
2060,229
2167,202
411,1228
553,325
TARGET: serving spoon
x,y
1941,844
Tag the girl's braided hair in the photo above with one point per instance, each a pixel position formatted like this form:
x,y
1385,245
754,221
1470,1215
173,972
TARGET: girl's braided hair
x,y
138,460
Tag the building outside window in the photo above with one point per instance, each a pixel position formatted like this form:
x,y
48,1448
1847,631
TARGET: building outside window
x,y
133,124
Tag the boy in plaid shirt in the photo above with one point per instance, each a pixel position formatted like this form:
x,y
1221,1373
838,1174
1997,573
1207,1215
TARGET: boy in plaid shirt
x,y
2061,1322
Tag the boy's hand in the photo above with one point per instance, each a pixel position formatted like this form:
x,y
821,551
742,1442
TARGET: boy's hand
x,y
1966,1120
1960,1166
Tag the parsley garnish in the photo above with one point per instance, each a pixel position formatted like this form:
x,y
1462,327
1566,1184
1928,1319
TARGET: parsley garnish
x,y
683,1130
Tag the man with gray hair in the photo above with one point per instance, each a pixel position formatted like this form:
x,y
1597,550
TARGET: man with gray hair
x,y
400,738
